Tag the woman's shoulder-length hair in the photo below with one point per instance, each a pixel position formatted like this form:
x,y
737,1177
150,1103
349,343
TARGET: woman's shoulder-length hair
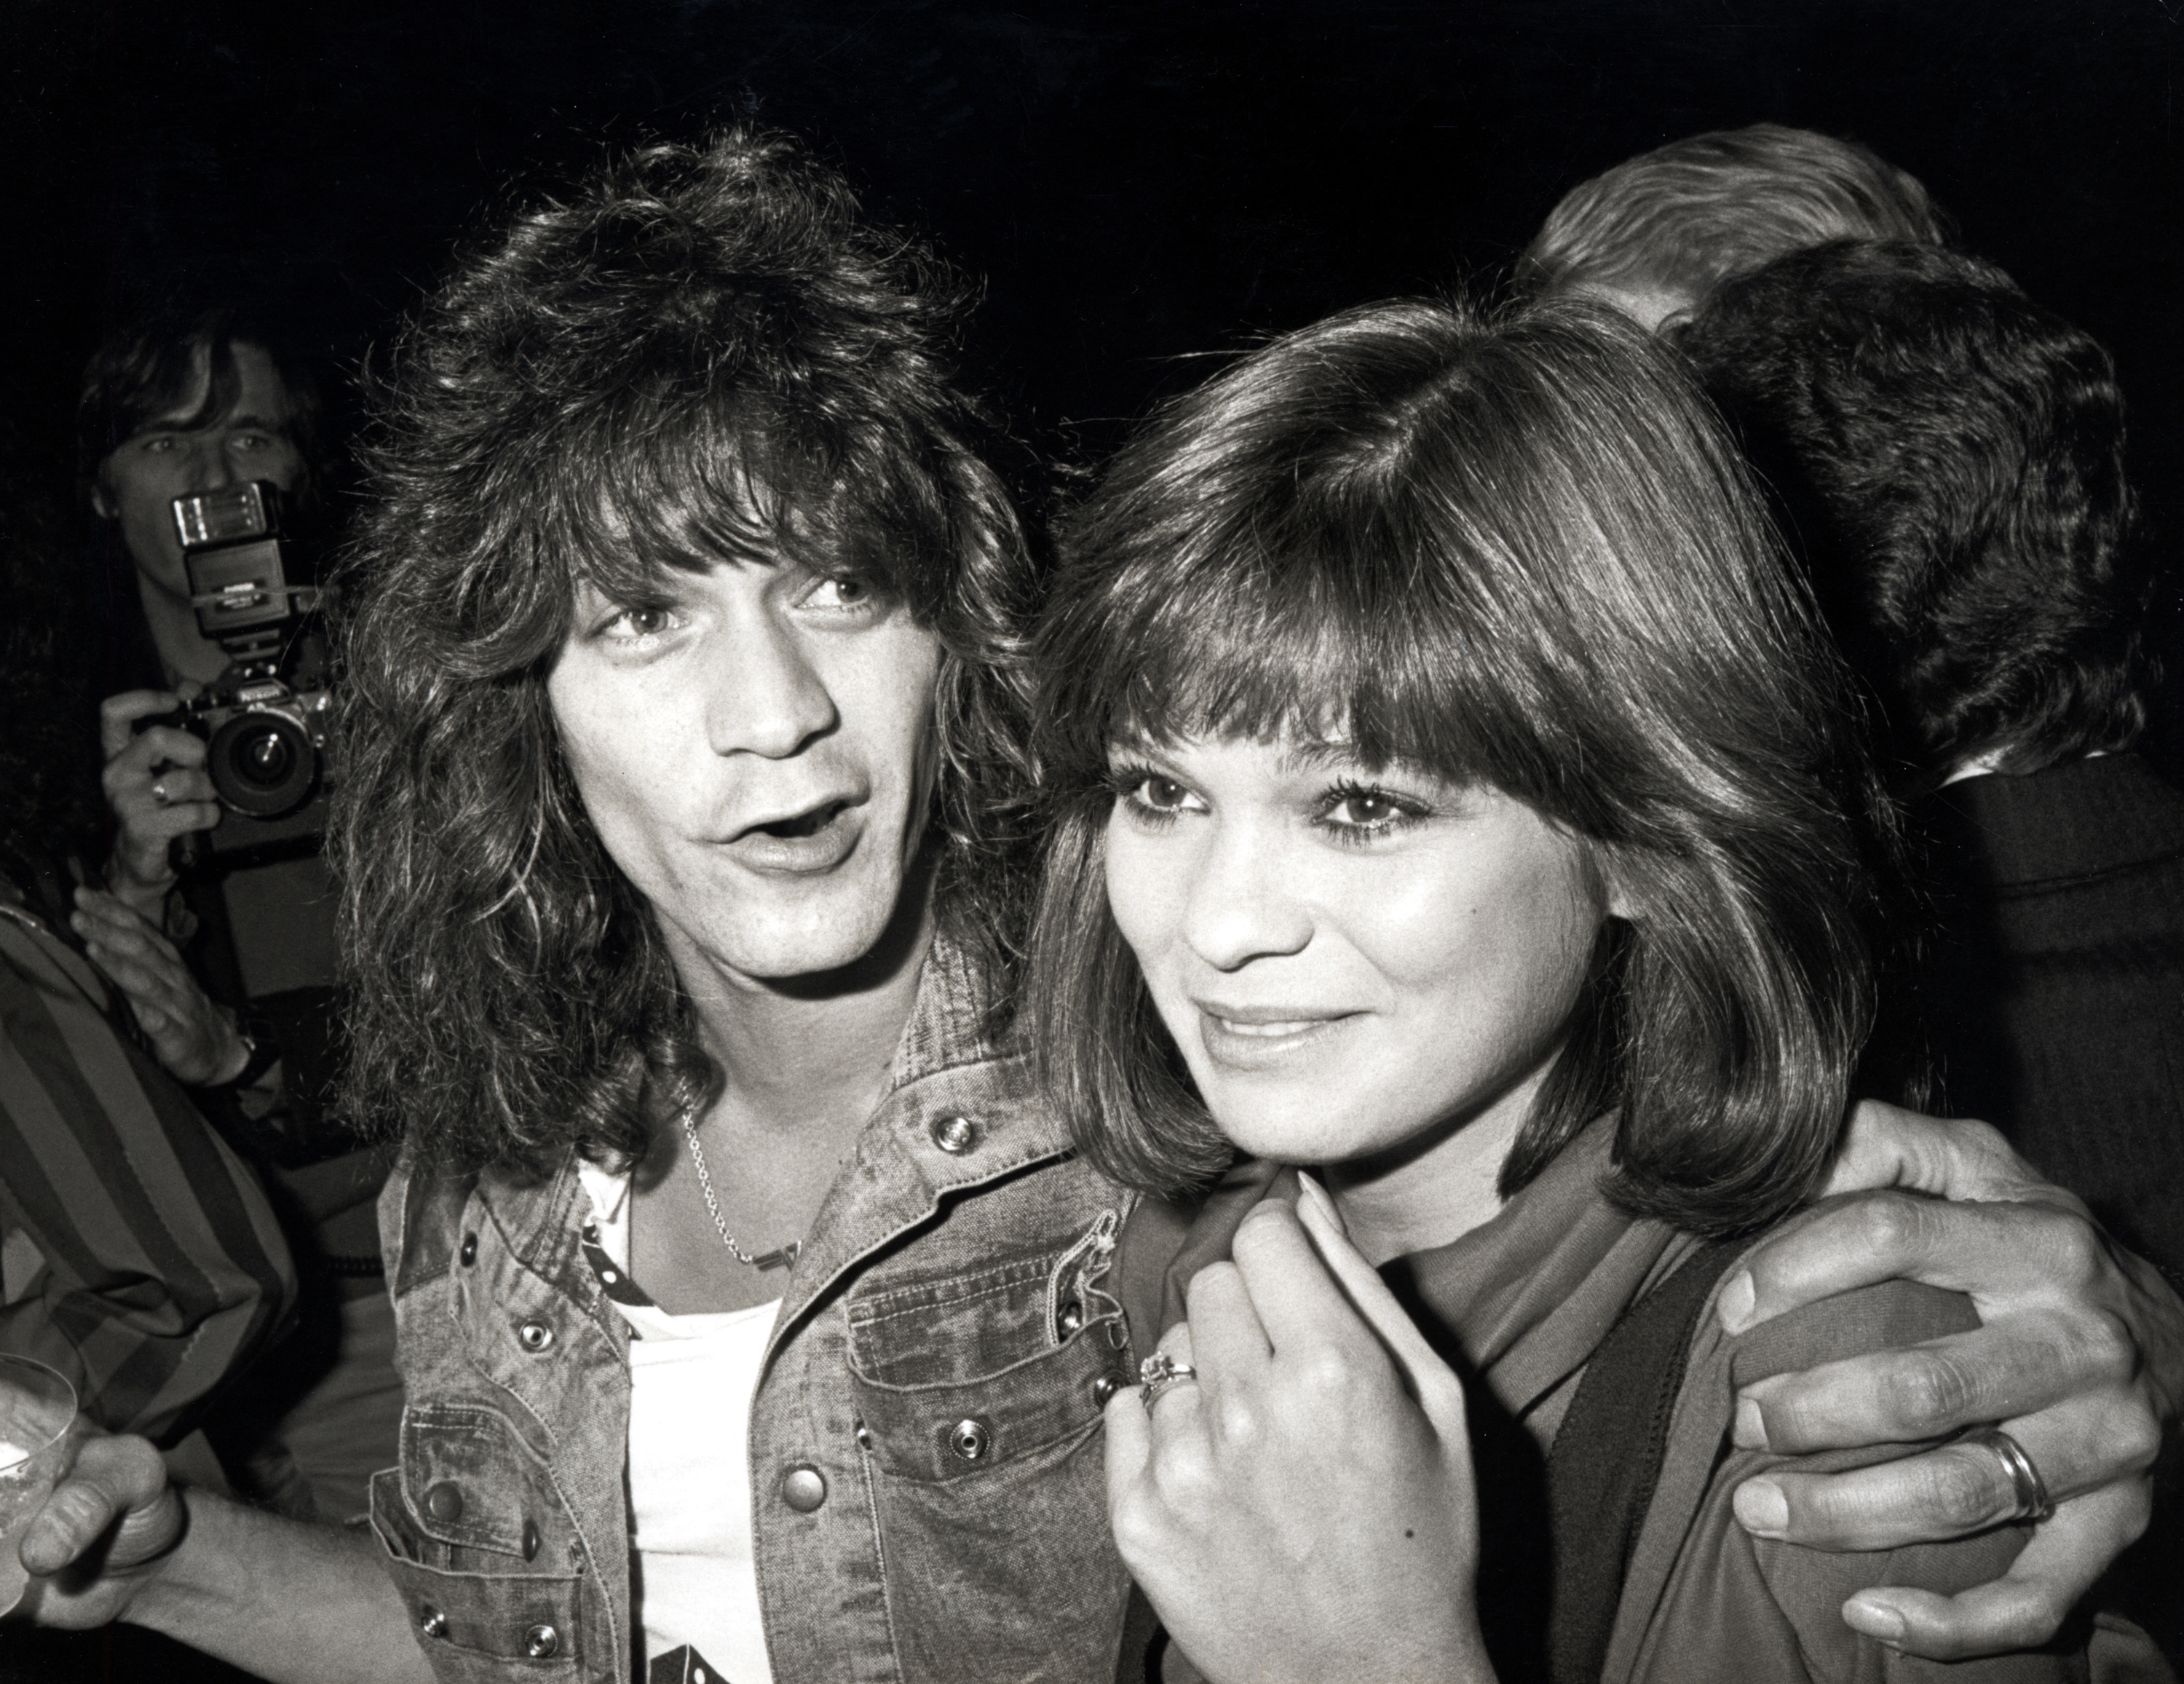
x,y
1517,550
703,355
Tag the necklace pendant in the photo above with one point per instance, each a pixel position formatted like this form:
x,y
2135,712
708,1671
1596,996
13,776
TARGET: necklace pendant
x,y
780,1257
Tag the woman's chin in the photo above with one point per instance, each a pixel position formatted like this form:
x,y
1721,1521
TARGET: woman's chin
x,y
1295,1128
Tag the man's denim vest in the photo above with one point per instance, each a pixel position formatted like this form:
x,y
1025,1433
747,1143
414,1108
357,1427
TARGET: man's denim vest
x,y
928,1496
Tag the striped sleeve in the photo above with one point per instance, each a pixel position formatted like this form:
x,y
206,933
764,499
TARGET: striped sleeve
x,y
164,1270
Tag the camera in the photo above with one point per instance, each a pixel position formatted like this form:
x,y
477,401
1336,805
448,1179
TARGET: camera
x,y
264,719
256,884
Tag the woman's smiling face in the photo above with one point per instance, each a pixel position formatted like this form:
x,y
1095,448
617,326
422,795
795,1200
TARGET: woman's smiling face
x,y
1353,961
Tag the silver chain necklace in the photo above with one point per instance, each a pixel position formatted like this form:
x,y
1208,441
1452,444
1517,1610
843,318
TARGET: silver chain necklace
x,y
780,1257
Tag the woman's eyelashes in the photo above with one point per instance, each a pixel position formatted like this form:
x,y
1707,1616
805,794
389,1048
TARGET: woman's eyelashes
x,y
1355,813
1152,798
1347,811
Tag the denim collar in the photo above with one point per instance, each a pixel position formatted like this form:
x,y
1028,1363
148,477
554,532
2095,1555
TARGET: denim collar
x,y
962,1110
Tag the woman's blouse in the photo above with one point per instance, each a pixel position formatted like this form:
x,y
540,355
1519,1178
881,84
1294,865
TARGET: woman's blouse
x,y
1527,1300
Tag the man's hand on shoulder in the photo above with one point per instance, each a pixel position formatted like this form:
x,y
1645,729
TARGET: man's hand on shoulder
x,y
2078,1357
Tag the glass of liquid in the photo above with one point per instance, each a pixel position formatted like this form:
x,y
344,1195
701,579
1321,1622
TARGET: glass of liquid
x,y
36,1408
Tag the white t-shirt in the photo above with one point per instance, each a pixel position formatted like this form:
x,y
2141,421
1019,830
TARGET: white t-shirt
x,y
693,1578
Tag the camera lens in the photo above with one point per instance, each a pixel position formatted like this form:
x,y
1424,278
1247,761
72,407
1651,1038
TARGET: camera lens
x,y
262,764
266,761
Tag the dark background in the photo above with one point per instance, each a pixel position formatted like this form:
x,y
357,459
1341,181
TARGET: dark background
x,y
1136,182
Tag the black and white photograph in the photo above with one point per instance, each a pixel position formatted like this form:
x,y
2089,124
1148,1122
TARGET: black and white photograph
x,y
1192,844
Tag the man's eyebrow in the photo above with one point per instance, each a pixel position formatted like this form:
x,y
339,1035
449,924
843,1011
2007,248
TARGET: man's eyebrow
x,y
173,423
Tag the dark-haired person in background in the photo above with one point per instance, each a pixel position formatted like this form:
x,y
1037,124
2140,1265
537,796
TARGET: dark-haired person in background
x,y
752,1305
1950,458
181,403
1658,232
229,965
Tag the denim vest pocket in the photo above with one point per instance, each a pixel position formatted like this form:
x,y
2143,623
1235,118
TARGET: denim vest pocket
x,y
478,1546
979,1397
962,1375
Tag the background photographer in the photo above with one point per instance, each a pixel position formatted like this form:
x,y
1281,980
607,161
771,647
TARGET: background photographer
x,y
227,962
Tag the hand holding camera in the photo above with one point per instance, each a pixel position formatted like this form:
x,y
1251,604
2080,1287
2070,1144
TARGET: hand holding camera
x,y
240,758
157,786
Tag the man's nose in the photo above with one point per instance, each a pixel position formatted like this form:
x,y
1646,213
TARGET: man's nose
x,y
769,698
1240,906
208,465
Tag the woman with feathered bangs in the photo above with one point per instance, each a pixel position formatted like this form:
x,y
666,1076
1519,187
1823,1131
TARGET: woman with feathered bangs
x,y
1455,797
1532,571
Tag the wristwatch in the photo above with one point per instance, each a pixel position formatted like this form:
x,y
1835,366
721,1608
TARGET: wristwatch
x,y
264,1053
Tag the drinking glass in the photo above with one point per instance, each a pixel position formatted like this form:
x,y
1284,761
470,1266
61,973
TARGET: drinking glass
x,y
36,1408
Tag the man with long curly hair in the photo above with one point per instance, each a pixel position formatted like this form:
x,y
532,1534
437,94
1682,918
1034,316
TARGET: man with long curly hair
x,y
757,1318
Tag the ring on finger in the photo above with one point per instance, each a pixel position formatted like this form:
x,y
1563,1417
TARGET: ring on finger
x,y
1158,1373
2033,1502
160,791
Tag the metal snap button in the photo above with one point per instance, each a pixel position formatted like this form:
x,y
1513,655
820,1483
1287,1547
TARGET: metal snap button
x,y
445,1501
803,1488
955,1136
864,1436
970,1438
470,1250
434,1623
1071,1319
535,1336
1103,1388
541,1641
530,1540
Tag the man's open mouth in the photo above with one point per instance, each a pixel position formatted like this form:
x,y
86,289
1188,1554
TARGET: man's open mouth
x,y
809,822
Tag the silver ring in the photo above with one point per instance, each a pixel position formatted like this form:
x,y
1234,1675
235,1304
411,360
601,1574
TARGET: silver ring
x,y
160,791
2033,1502
1158,1373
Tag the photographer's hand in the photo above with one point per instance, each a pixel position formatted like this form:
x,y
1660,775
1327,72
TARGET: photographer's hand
x,y
156,783
194,1038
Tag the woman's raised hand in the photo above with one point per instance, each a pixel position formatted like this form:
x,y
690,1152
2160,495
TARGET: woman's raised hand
x,y
1303,1508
